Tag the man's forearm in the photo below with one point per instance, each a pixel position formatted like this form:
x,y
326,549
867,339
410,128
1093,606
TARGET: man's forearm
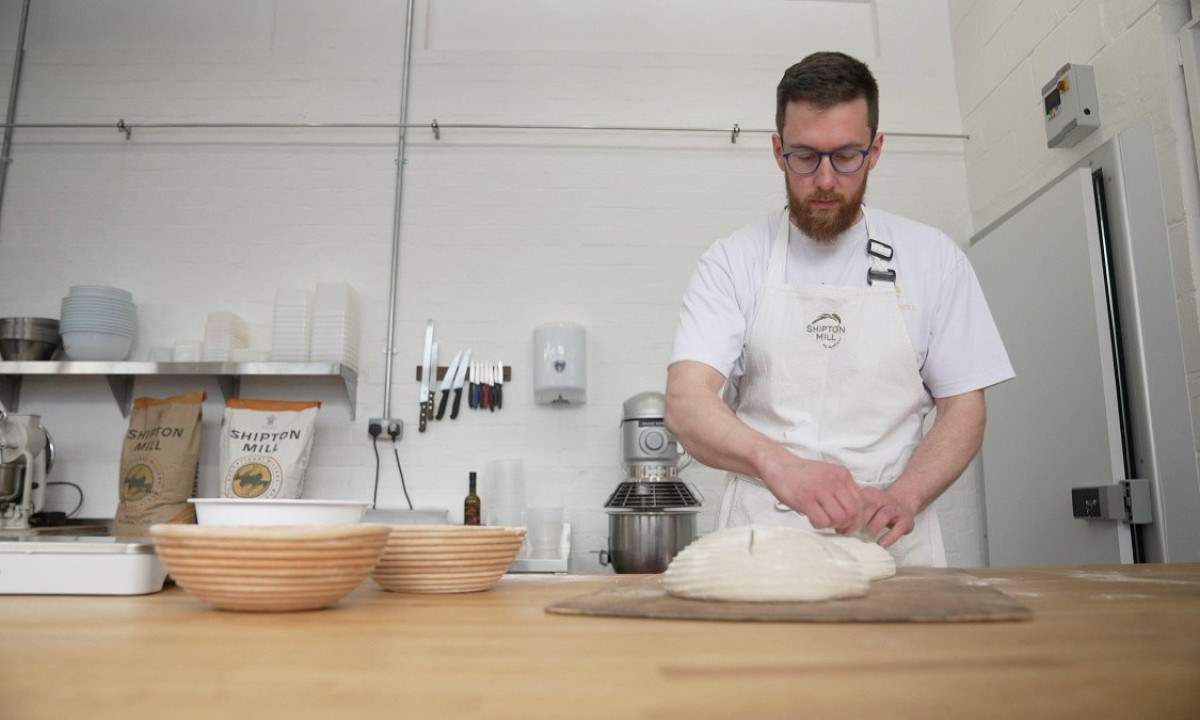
x,y
707,428
944,452
710,431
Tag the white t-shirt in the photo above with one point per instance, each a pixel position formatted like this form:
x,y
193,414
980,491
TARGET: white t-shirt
x,y
957,345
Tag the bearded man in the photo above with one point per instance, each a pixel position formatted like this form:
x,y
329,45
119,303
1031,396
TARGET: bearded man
x,y
813,342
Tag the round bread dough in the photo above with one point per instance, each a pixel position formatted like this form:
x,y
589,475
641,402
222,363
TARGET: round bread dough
x,y
764,564
875,561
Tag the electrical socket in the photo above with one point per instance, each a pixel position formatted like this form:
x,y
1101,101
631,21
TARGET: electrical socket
x,y
385,427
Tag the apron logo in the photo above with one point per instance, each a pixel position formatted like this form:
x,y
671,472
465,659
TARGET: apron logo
x,y
827,329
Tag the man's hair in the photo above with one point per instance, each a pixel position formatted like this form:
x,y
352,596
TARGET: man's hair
x,y
825,79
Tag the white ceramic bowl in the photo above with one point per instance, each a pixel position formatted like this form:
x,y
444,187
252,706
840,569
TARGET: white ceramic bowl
x,y
102,291
96,345
238,511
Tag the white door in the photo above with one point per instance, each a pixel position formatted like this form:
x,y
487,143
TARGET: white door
x,y
1056,426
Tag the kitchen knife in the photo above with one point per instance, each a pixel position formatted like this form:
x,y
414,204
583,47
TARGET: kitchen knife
x,y
485,387
433,364
491,388
498,390
425,385
473,390
447,381
460,377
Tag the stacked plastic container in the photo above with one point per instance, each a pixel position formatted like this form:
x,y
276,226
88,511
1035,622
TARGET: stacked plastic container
x,y
224,332
336,326
291,329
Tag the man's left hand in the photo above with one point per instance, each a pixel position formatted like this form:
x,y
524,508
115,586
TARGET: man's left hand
x,y
886,515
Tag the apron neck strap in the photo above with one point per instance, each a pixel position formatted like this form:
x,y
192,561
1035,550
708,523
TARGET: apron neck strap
x,y
880,255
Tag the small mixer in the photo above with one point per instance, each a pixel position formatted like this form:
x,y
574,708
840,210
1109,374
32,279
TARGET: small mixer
x,y
26,456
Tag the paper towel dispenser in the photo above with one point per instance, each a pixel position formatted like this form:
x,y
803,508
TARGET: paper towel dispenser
x,y
559,364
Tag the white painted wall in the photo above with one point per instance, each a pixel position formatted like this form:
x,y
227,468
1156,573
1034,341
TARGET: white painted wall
x,y
1006,50
502,229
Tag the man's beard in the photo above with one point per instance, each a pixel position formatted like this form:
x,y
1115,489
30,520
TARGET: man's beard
x,y
824,225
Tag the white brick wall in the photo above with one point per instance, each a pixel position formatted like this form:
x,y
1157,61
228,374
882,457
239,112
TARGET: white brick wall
x,y
502,230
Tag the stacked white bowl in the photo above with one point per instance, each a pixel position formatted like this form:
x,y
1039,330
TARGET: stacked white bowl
x,y
291,330
224,332
336,326
98,323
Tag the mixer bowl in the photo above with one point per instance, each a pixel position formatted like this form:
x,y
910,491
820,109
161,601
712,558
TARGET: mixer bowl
x,y
11,476
646,542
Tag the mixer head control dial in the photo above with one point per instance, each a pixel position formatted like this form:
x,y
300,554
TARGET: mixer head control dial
x,y
653,441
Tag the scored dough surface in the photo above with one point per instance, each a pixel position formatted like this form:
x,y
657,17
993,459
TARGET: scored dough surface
x,y
764,564
876,562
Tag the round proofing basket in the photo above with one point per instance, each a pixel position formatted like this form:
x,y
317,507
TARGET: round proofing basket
x,y
446,559
269,569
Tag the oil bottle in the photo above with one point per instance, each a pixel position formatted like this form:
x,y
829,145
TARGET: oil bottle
x,y
472,507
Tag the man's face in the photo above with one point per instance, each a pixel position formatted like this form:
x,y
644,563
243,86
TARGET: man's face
x,y
826,203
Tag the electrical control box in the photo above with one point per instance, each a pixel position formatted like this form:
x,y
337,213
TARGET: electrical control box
x,y
1071,107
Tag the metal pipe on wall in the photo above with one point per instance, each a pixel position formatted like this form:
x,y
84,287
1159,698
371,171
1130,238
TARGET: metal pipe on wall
x,y
394,278
10,115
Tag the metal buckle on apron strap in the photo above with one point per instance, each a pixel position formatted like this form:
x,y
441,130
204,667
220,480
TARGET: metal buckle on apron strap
x,y
881,250
884,252
888,275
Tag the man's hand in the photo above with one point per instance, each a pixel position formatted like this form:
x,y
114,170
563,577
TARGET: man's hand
x,y
825,493
884,512
708,429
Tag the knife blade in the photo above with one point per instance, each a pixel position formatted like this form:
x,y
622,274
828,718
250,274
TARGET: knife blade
x,y
473,388
460,377
447,381
425,393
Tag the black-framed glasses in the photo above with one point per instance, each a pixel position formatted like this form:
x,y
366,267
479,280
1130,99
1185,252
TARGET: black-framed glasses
x,y
845,160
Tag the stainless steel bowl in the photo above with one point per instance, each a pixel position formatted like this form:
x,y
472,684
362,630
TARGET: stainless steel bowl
x,y
29,338
646,542
11,476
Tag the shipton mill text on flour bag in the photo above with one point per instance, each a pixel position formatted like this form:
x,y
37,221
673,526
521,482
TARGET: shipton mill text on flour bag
x,y
265,446
159,461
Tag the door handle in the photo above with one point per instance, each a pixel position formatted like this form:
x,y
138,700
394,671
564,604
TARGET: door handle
x,y
1127,501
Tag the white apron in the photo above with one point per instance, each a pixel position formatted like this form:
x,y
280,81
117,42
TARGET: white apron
x,y
831,375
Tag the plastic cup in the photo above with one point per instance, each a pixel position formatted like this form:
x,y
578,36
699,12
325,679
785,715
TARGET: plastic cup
x,y
503,493
545,531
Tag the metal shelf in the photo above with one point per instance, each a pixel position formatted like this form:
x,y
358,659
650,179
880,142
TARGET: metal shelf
x,y
120,375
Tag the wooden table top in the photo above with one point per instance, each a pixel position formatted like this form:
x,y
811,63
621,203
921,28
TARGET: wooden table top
x,y
1104,641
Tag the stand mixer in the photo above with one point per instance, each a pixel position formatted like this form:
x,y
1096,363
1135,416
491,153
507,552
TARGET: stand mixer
x,y
652,514
26,455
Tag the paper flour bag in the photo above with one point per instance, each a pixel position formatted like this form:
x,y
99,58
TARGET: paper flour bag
x,y
265,446
159,460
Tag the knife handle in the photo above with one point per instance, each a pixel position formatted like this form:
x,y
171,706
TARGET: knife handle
x,y
457,400
442,405
498,396
424,413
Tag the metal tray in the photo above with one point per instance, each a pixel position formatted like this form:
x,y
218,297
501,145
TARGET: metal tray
x,y
79,565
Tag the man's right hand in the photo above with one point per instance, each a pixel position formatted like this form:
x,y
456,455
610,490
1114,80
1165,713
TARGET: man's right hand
x,y
823,492
709,430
